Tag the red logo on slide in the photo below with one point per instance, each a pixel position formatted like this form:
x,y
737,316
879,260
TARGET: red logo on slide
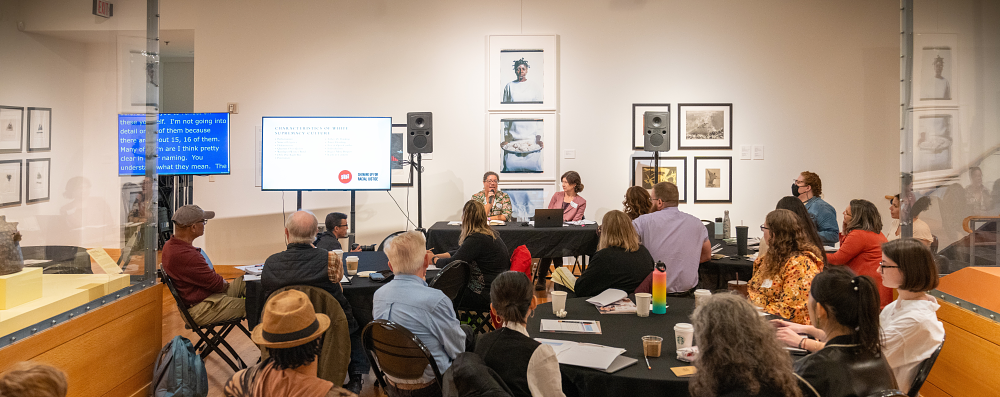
x,y
345,176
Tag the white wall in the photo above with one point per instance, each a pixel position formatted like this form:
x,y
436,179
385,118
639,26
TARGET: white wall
x,y
816,82
177,88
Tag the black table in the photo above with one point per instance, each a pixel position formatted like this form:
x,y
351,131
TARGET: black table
x,y
542,242
730,267
623,331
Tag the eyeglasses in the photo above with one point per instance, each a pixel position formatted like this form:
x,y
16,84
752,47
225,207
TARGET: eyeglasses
x,y
344,225
798,183
884,266
204,221
492,181
763,228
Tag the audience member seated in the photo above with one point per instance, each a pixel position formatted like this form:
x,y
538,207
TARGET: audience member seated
x,y
921,231
573,206
336,229
527,367
496,203
677,239
977,196
738,355
620,262
209,298
893,233
845,308
424,311
479,245
290,329
637,202
809,188
805,222
781,277
861,244
31,379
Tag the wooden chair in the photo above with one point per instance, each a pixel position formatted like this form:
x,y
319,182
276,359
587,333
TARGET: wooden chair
x,y
393,350
923,370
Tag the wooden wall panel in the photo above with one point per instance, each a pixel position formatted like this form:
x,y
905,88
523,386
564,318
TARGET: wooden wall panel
x,y
968,362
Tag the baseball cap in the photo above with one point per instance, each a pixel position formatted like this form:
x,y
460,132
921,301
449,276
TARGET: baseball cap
x,y
190,214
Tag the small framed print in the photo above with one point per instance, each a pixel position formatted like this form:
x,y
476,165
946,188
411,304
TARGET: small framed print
x,y
713,180
638,129
399,166
935,70
39,129
522,146
526,197
10,183
11,129
522,73
36,180
936,137
705,126
672,169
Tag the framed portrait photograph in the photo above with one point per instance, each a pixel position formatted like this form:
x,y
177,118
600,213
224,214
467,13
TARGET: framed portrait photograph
x,y
522,73
638,129
705,126
936,134
11,129
672,169
935,70
39,129
713,179
36,180
401,171
526,197
10,183
523,146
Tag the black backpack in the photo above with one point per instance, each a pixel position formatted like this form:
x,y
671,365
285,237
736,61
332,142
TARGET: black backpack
x,y
179,372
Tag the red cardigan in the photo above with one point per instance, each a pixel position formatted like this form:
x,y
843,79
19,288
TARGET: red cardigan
x,y
861,251
571,213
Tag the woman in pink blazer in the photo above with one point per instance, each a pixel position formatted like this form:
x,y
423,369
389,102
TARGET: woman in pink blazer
x,y
573,207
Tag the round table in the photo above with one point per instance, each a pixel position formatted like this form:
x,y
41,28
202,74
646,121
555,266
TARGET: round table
x,y
623,331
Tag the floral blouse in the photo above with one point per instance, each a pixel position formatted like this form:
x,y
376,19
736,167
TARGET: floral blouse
x,y
787,295
501,206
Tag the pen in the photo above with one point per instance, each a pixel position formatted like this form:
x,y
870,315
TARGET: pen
x,y
575,322
647,362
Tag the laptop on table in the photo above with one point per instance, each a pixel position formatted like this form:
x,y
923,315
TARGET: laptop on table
x,y
548,217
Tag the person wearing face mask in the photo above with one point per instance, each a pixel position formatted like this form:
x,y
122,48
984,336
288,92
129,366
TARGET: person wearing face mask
x,y
497,203
808,188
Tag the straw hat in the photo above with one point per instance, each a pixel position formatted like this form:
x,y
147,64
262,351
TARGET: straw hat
x,y
289,320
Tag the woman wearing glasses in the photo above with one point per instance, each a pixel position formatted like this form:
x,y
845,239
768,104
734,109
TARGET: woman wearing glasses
x,y
861,245
782,276
496,203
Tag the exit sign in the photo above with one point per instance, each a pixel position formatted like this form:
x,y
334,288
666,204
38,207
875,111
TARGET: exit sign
x,y
103,8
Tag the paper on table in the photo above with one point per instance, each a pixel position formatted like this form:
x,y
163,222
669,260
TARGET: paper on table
x,y
582,222
572,326
251,277
590,356
558,346
104,261
455,223
345,280
252,269
608,297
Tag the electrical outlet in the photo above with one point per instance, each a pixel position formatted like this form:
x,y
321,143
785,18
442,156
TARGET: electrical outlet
x,y
233,108
569,154
427,156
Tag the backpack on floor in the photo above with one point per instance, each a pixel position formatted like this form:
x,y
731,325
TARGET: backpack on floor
x,y
179,372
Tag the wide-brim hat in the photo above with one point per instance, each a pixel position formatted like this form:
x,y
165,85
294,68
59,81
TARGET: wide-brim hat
x,y
289,320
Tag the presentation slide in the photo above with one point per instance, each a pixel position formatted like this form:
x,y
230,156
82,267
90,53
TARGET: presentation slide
x,y
187,144
325,153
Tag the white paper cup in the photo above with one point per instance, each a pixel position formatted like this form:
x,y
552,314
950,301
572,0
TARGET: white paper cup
x,y
700,295
352,265
642,302
683,335
558,301
340,254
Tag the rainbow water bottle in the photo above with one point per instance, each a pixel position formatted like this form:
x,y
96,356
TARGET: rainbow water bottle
x,y
660,288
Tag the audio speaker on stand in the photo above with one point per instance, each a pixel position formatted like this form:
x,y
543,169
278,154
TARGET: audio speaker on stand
x,y
419,137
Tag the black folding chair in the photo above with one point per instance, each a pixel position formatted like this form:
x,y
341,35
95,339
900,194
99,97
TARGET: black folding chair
x,y
388,240
451,279
923,370
210,336
393,350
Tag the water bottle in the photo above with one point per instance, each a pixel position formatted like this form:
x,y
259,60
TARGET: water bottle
x,y
726,226
718,228
660,288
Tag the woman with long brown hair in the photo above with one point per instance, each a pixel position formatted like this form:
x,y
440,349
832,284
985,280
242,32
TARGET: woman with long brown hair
x,y
637,202
738,353
573,206
861,244
620,262
479,245
782,276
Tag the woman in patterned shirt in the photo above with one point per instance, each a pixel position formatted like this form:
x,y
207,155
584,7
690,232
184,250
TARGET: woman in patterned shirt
x,y
495,202
782,277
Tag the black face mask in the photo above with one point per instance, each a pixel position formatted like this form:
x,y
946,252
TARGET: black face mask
x,y
795,190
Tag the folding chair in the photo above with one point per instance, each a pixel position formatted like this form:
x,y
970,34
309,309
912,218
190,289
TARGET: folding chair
x,y
210,339
452,279
388,240
923,370
393,350
478,318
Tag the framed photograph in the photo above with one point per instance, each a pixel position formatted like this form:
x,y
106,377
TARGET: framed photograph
x,y
138,76
523,146
525,198
935,70
11,129
36,180
705,126
39,129
638,130
10,183
522,73
713,179
402,172
936,134
672,169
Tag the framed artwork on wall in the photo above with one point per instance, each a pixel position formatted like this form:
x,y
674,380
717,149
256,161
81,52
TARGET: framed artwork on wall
x,y
11,129
402,172
672,169
935,70
10,183
39,129
36,180
526,197
936,134
713,180
705,126
522,146
638,130
522,73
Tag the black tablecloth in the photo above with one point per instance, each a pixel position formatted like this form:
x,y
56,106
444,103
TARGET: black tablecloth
x,y
542,242
623,331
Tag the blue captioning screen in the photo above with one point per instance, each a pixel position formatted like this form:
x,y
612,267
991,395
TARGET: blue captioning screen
x,y
187,144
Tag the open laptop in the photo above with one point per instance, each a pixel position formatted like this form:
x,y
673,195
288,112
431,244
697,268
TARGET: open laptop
x,y
548,218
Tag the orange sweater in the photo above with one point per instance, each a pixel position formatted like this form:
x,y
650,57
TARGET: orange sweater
x,y
861,251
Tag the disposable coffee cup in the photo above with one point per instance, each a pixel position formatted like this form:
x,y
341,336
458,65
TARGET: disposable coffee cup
x,y
558,301
683,335
739,286
340,254
642,302
651,345
352,265
700,295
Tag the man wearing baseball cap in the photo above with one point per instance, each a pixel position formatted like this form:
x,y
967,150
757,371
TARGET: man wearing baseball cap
x,y
209,298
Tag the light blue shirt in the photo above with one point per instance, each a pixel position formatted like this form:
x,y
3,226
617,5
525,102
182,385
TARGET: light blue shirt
x,y
676,239
825,218
424,311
